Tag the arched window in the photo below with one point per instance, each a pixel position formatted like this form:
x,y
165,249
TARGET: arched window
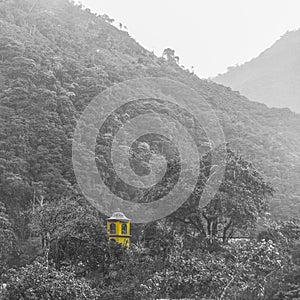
x,y
112,228
124,228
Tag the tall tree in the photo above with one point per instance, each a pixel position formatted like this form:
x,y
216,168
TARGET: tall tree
x,y
241,200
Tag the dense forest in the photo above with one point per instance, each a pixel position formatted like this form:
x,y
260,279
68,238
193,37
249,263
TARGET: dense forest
x,y
55,57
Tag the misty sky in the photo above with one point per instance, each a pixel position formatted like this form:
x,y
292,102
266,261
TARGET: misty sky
x,y
207,34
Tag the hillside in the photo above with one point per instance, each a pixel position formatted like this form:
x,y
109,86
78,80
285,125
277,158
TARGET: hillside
x,y
55,57
272,77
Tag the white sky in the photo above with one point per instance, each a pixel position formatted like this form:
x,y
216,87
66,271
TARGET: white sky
x,y
207,34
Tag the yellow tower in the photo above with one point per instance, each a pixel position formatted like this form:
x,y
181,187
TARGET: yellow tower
x,y
118,229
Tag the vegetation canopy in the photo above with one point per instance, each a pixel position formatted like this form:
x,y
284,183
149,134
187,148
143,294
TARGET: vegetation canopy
x,y
55,57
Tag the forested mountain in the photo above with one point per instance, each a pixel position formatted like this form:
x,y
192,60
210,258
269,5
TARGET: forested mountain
x,y
55,57
272,77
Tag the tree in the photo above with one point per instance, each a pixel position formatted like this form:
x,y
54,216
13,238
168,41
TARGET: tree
x,y
235,209
242,271
72,234
39,281
169,54
10,47
107,19
7,238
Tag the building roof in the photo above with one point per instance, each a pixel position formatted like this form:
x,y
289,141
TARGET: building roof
x,y
118,216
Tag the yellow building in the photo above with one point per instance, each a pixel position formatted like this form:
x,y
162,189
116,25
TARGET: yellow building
x,y
118,229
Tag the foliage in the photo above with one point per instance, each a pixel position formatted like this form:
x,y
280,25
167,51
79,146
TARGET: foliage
x,y
242,199
54,58
169,54
71,233
7,237
38,281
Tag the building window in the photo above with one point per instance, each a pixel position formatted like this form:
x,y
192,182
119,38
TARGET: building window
x,y
112,228
124,228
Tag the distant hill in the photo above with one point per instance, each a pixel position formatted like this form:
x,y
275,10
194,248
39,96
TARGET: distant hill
x,y
273,77
55,57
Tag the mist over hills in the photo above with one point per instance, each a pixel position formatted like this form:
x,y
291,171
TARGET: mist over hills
x,y
271,78
55,57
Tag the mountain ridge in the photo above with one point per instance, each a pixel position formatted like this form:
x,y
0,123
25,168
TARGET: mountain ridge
x,y
272,77
56,57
